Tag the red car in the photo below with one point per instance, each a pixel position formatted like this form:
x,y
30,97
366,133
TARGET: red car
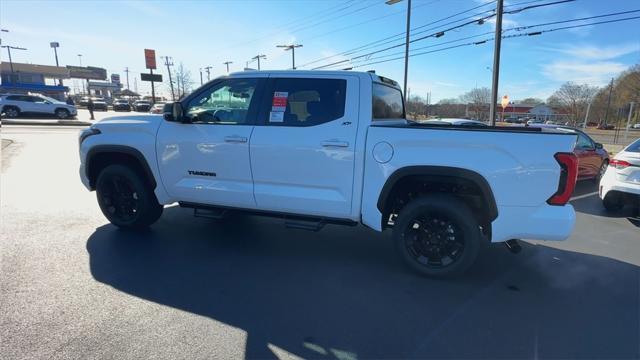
x,y
592,157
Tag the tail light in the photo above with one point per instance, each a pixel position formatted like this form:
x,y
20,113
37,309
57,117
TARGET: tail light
x,y
619,164
568,177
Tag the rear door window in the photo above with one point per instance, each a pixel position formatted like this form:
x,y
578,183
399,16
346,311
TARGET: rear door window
x,y
387,102
305,102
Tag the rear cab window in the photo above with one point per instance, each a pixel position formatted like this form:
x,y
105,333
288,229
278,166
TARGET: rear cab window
x,y
387,102
634,147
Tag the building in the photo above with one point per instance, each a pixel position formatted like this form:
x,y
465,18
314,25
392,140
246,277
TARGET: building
x,y
30,78
541,112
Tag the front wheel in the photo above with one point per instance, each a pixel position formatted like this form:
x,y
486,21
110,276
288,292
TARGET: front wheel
x,y
437,236
62,113
125,198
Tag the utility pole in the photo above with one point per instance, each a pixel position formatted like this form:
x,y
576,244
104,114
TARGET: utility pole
x,y
126,70
9,52
201,82
208,68
626,130
227,63
496,63
606,113
169,64
291,47
258,57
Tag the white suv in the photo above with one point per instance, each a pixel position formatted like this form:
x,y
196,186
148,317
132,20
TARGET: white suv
x,y
13,105
620,184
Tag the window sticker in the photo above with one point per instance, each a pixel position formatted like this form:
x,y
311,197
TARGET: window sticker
x,y
276,116
279,102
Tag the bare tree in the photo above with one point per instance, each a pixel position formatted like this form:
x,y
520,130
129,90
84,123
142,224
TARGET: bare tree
x,y
184,83
531,101
574,98
478,100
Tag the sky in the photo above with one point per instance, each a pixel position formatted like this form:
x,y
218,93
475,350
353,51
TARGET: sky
x,y
113,34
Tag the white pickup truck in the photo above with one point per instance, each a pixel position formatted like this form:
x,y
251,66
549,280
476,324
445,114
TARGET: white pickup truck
x,y
316,147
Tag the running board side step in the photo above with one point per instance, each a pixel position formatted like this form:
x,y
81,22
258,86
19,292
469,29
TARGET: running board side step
x,y
292,221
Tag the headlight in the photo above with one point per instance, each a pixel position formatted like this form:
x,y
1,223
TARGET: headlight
x,y
86,133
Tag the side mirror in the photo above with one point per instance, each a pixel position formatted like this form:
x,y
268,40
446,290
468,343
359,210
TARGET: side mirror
x,y
172,111
599,146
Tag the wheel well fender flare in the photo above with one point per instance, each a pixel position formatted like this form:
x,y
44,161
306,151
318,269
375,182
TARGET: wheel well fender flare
x,y
120,150
438,171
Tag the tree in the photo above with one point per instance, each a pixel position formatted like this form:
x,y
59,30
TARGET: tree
x,y
531,101
183,81
478,100
573,98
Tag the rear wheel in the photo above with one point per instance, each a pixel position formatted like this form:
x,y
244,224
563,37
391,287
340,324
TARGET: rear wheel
x,y
613,201
62,113
11,111
603,169
437,236
125,199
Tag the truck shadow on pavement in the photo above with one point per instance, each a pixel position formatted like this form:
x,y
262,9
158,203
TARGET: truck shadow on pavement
x,y
342,294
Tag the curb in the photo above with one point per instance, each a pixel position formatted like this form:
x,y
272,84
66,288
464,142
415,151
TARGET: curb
x,y
46,122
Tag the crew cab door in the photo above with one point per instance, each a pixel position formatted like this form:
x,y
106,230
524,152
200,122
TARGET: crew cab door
x,y
302,152
206,160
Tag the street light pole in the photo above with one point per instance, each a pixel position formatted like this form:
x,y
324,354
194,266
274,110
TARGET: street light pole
x,y
291,47
55,46
201,82
80,59
208,68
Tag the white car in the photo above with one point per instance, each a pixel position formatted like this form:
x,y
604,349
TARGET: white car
x,y
13,105
334,147
620,184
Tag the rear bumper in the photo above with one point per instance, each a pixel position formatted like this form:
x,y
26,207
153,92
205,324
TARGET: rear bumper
x,y
609,182
545,222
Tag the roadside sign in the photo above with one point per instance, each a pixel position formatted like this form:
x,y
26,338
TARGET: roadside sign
x,y
505,101
89,72
151,77
150,58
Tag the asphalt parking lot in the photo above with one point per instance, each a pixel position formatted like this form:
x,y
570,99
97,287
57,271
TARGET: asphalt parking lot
x,y
74,286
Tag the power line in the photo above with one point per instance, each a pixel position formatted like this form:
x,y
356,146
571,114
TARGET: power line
x,y
503,37
441,32
520,28
350,51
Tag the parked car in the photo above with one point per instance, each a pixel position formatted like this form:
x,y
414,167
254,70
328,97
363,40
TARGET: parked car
x,y
121,105
636,127
620,184
535,121
158,108
142,106
593,158
606,127
99,104
313,149
14,105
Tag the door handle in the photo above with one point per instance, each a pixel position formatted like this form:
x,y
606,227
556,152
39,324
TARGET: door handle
x,y
335,143
235,139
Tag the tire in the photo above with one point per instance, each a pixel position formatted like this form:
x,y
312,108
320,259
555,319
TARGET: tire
x,y
125,198
11,112
419,234
62,113
613,202
601,171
